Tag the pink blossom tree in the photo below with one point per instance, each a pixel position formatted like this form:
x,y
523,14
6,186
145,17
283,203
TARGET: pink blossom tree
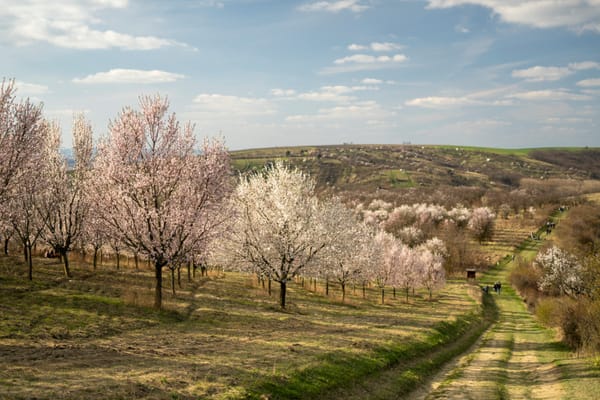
x,y
385,266
21,209
342,259
431,260
66,203
153,188
482,223
277,228
19,139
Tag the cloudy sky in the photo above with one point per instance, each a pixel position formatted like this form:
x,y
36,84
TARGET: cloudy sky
x,y
502,73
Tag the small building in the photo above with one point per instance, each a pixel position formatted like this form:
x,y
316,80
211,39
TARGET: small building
x,y
471,274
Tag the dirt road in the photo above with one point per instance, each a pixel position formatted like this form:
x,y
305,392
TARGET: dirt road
x,y
513,359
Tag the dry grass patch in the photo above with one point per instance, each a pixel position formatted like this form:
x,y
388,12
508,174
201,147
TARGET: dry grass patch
x,y
218,338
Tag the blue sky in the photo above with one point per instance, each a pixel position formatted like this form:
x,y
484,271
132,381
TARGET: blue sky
x,y
502,73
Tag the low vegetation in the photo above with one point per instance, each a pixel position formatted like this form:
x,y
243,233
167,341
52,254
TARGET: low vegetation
x,y
222,336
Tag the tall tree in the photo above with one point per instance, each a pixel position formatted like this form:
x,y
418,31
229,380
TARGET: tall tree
x,y
22,207
342,259
277,227
162,197
66,204
19,139
482,223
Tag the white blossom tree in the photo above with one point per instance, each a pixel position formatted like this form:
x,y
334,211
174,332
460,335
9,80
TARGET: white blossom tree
x,y
21,209
342,259
19,136
277,228
562,273
154,189
408,274
482,223
431,260
385,266
66,204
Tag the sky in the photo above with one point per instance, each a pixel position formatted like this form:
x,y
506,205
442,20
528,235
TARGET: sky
x,y
264,73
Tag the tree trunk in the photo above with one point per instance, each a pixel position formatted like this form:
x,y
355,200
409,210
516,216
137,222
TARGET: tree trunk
x,y
30,262
158,290
394,291
25,255
407,289
364,290
269,285
382,295
65,258
95,261
315,285
6,240
179,277
343,292
282,293
189,271
136,260
430,295
327,287
193,270
173,281
118,261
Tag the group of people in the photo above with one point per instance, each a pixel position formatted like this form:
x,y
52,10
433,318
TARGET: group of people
x,y
497,287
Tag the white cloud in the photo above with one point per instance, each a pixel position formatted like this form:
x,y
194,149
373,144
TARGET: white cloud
x,y
357,47
120,75
70,24
369,59
578,15
579,66
538,74
337,93
30,89
219,105
277,92
549,95
589,82
441,102
503,96
372,81
361,111
382,47
355,6
461,29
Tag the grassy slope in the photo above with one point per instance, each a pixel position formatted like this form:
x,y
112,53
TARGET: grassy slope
x,y
395,167
221,337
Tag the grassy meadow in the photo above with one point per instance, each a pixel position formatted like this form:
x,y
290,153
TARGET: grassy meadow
x,y
221,336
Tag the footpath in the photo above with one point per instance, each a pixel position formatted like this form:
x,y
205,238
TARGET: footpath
x,y
514,359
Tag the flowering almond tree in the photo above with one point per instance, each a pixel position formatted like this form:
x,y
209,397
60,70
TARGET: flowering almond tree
x,y
482,223
385,266
341,260
19,139
21,207
277,228
562,273
65,204
165,200
431,257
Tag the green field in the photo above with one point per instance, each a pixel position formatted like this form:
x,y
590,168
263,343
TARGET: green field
x,y
221,336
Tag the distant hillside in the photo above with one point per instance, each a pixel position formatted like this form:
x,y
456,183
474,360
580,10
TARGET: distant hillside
x,y
396,167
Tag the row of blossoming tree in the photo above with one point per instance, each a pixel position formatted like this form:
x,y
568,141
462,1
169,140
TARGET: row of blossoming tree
x,y
149,189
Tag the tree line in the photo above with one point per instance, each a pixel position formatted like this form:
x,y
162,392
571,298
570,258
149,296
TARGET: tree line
x,y
149,188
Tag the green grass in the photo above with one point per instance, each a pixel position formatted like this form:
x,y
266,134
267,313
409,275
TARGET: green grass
x,y
220,337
